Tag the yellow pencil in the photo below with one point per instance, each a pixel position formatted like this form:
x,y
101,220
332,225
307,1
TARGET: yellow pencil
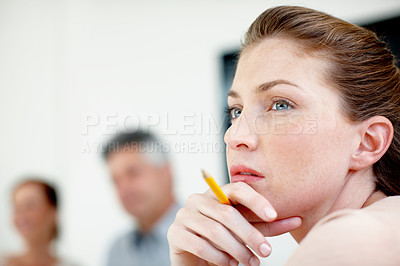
x,y
215,188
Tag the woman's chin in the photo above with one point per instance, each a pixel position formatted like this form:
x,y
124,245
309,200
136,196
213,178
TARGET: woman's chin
x,y
31,237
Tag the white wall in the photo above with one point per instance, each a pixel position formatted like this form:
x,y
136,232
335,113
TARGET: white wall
x,y
64,62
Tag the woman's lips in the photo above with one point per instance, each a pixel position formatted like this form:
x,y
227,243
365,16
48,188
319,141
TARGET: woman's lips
x,y
243,173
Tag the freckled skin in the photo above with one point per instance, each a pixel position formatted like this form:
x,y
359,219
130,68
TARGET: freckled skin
x,y
304,171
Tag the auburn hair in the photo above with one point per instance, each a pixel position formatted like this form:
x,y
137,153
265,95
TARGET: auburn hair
x,y
360,66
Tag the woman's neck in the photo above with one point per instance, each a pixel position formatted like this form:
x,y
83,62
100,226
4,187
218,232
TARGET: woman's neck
x,y
38,252
375,196
358,191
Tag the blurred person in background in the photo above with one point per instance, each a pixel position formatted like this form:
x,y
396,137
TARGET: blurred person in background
x,y
142,176
35,206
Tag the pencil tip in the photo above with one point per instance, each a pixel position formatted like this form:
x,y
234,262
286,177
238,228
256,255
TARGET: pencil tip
x,y
205,174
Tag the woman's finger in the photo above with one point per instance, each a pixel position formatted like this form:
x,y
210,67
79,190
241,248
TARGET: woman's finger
x,y
230,218
278,227
219,236
243,194
191,247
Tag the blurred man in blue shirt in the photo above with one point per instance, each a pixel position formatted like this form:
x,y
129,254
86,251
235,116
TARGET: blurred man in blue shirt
x,y
142,176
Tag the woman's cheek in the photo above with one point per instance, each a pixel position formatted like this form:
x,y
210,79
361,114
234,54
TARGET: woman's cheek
x,y
290,122
297,182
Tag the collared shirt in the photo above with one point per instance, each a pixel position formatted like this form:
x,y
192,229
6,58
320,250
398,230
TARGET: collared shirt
x,y
144,249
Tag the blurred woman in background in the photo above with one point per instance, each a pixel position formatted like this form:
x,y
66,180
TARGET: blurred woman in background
x,y
35,206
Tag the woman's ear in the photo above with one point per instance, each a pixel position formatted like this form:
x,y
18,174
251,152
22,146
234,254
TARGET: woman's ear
x,y
376,137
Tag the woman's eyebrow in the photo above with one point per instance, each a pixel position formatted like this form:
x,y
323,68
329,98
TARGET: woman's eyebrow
x,y
264,87
268,85
233,94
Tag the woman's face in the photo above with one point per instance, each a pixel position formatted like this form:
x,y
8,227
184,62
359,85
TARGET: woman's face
x,y
34,217
288,138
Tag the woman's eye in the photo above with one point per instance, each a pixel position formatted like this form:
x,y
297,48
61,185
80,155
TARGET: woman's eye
x,y
235,113
281,105
232,112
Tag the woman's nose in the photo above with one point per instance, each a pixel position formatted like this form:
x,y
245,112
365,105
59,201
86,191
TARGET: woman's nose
x,y
241,135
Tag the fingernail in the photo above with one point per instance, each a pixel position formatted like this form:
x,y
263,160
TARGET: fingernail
x,y
292,220
265,250
270,213
233,263
254,261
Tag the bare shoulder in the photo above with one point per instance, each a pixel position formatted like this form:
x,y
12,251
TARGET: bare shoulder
x,y
351,237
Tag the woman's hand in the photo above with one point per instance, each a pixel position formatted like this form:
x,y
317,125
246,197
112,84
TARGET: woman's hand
x,y
206,231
